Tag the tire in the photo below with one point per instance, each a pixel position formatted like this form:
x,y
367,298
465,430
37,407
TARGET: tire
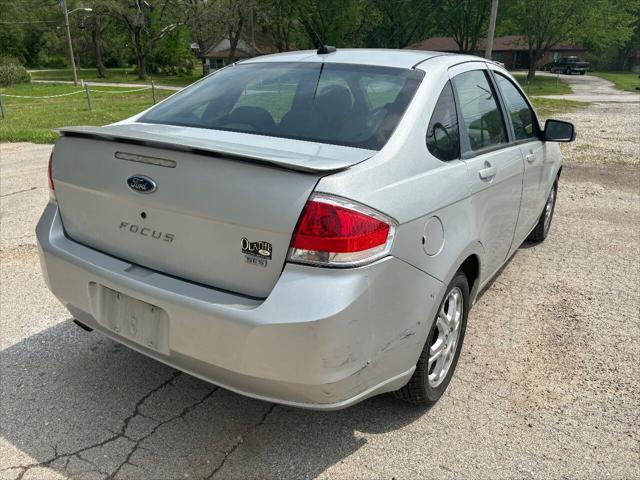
x,y
421,390
582,73
568,71
543,226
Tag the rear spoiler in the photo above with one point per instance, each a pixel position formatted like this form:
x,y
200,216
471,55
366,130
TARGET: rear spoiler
x,y
298,155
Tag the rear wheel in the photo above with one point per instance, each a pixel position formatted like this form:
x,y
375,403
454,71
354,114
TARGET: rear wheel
x,y
544,223
440,354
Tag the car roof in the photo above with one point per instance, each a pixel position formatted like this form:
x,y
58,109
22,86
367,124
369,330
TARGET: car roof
x,y
357,56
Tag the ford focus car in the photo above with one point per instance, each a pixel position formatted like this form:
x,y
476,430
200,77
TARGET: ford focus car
x,y
305,228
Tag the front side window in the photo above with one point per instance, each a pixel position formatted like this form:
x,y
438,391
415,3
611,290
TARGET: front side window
x,y
342,104
481,118
443,140
524,120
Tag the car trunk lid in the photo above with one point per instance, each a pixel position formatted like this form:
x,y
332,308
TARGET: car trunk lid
x,y
220,215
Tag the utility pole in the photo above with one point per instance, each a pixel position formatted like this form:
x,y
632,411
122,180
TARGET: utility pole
x,y
253,35
492,29
63,4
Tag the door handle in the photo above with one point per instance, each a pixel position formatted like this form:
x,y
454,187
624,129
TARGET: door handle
x,y
488,172
531,157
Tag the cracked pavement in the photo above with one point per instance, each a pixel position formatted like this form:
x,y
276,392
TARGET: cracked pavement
x,y
548,384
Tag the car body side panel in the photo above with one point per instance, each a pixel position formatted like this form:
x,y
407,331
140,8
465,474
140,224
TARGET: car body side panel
x,y
495,203
459,241
397,179
534,188
547,174
407,182
542,161
496,186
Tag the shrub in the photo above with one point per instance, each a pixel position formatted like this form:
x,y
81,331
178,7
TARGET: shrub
x,y
54,62
12,73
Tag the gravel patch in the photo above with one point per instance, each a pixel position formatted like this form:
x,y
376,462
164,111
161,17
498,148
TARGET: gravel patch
x,y
607,133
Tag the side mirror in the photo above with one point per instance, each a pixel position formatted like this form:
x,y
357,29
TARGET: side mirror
x,y
559,131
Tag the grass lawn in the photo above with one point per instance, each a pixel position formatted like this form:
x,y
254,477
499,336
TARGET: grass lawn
x,y
623,80
117,75
32,120
547,107
543,85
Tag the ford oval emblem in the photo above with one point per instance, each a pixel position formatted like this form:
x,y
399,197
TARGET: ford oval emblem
x,y
141,184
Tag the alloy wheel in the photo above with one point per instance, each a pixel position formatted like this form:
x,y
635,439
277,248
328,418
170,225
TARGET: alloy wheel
x,y
548,210
445,337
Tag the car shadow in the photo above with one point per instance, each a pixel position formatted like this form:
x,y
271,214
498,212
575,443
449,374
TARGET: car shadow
x,y
527,244
85,406
524,246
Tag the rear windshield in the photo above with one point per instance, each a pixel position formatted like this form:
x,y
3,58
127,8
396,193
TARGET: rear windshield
x,y
353,105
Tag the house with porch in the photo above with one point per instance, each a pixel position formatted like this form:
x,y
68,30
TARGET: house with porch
x,y
250,44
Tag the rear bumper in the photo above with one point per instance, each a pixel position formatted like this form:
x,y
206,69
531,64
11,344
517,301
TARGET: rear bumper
x,y
323,339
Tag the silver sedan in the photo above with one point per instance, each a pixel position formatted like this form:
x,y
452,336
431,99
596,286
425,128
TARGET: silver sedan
x,y
306,228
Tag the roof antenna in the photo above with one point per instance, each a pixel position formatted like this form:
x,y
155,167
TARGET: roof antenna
x,y
320,45
324,49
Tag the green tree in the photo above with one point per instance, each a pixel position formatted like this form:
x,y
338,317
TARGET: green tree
x,y
30,31
95,28
337,22
234,16
402,22
147,22
280,18
203,25
12,33
632,44
546,23
608,27
173,56
466,21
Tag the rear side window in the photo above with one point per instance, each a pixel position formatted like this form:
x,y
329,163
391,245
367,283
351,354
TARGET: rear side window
x,y
523,119
481,120
443,140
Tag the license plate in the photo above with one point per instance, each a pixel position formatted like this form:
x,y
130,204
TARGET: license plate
x,y
133,319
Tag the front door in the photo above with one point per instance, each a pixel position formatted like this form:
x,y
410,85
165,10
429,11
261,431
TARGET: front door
x,y
526,132
495,165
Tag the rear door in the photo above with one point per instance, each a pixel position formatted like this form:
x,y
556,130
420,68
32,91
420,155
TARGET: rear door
x,y
494,163
526,132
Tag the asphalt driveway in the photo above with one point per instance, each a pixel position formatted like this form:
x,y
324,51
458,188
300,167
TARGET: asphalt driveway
x,y
548,384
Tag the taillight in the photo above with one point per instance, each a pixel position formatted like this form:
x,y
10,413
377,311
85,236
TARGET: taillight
x,y
49,175
335,232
